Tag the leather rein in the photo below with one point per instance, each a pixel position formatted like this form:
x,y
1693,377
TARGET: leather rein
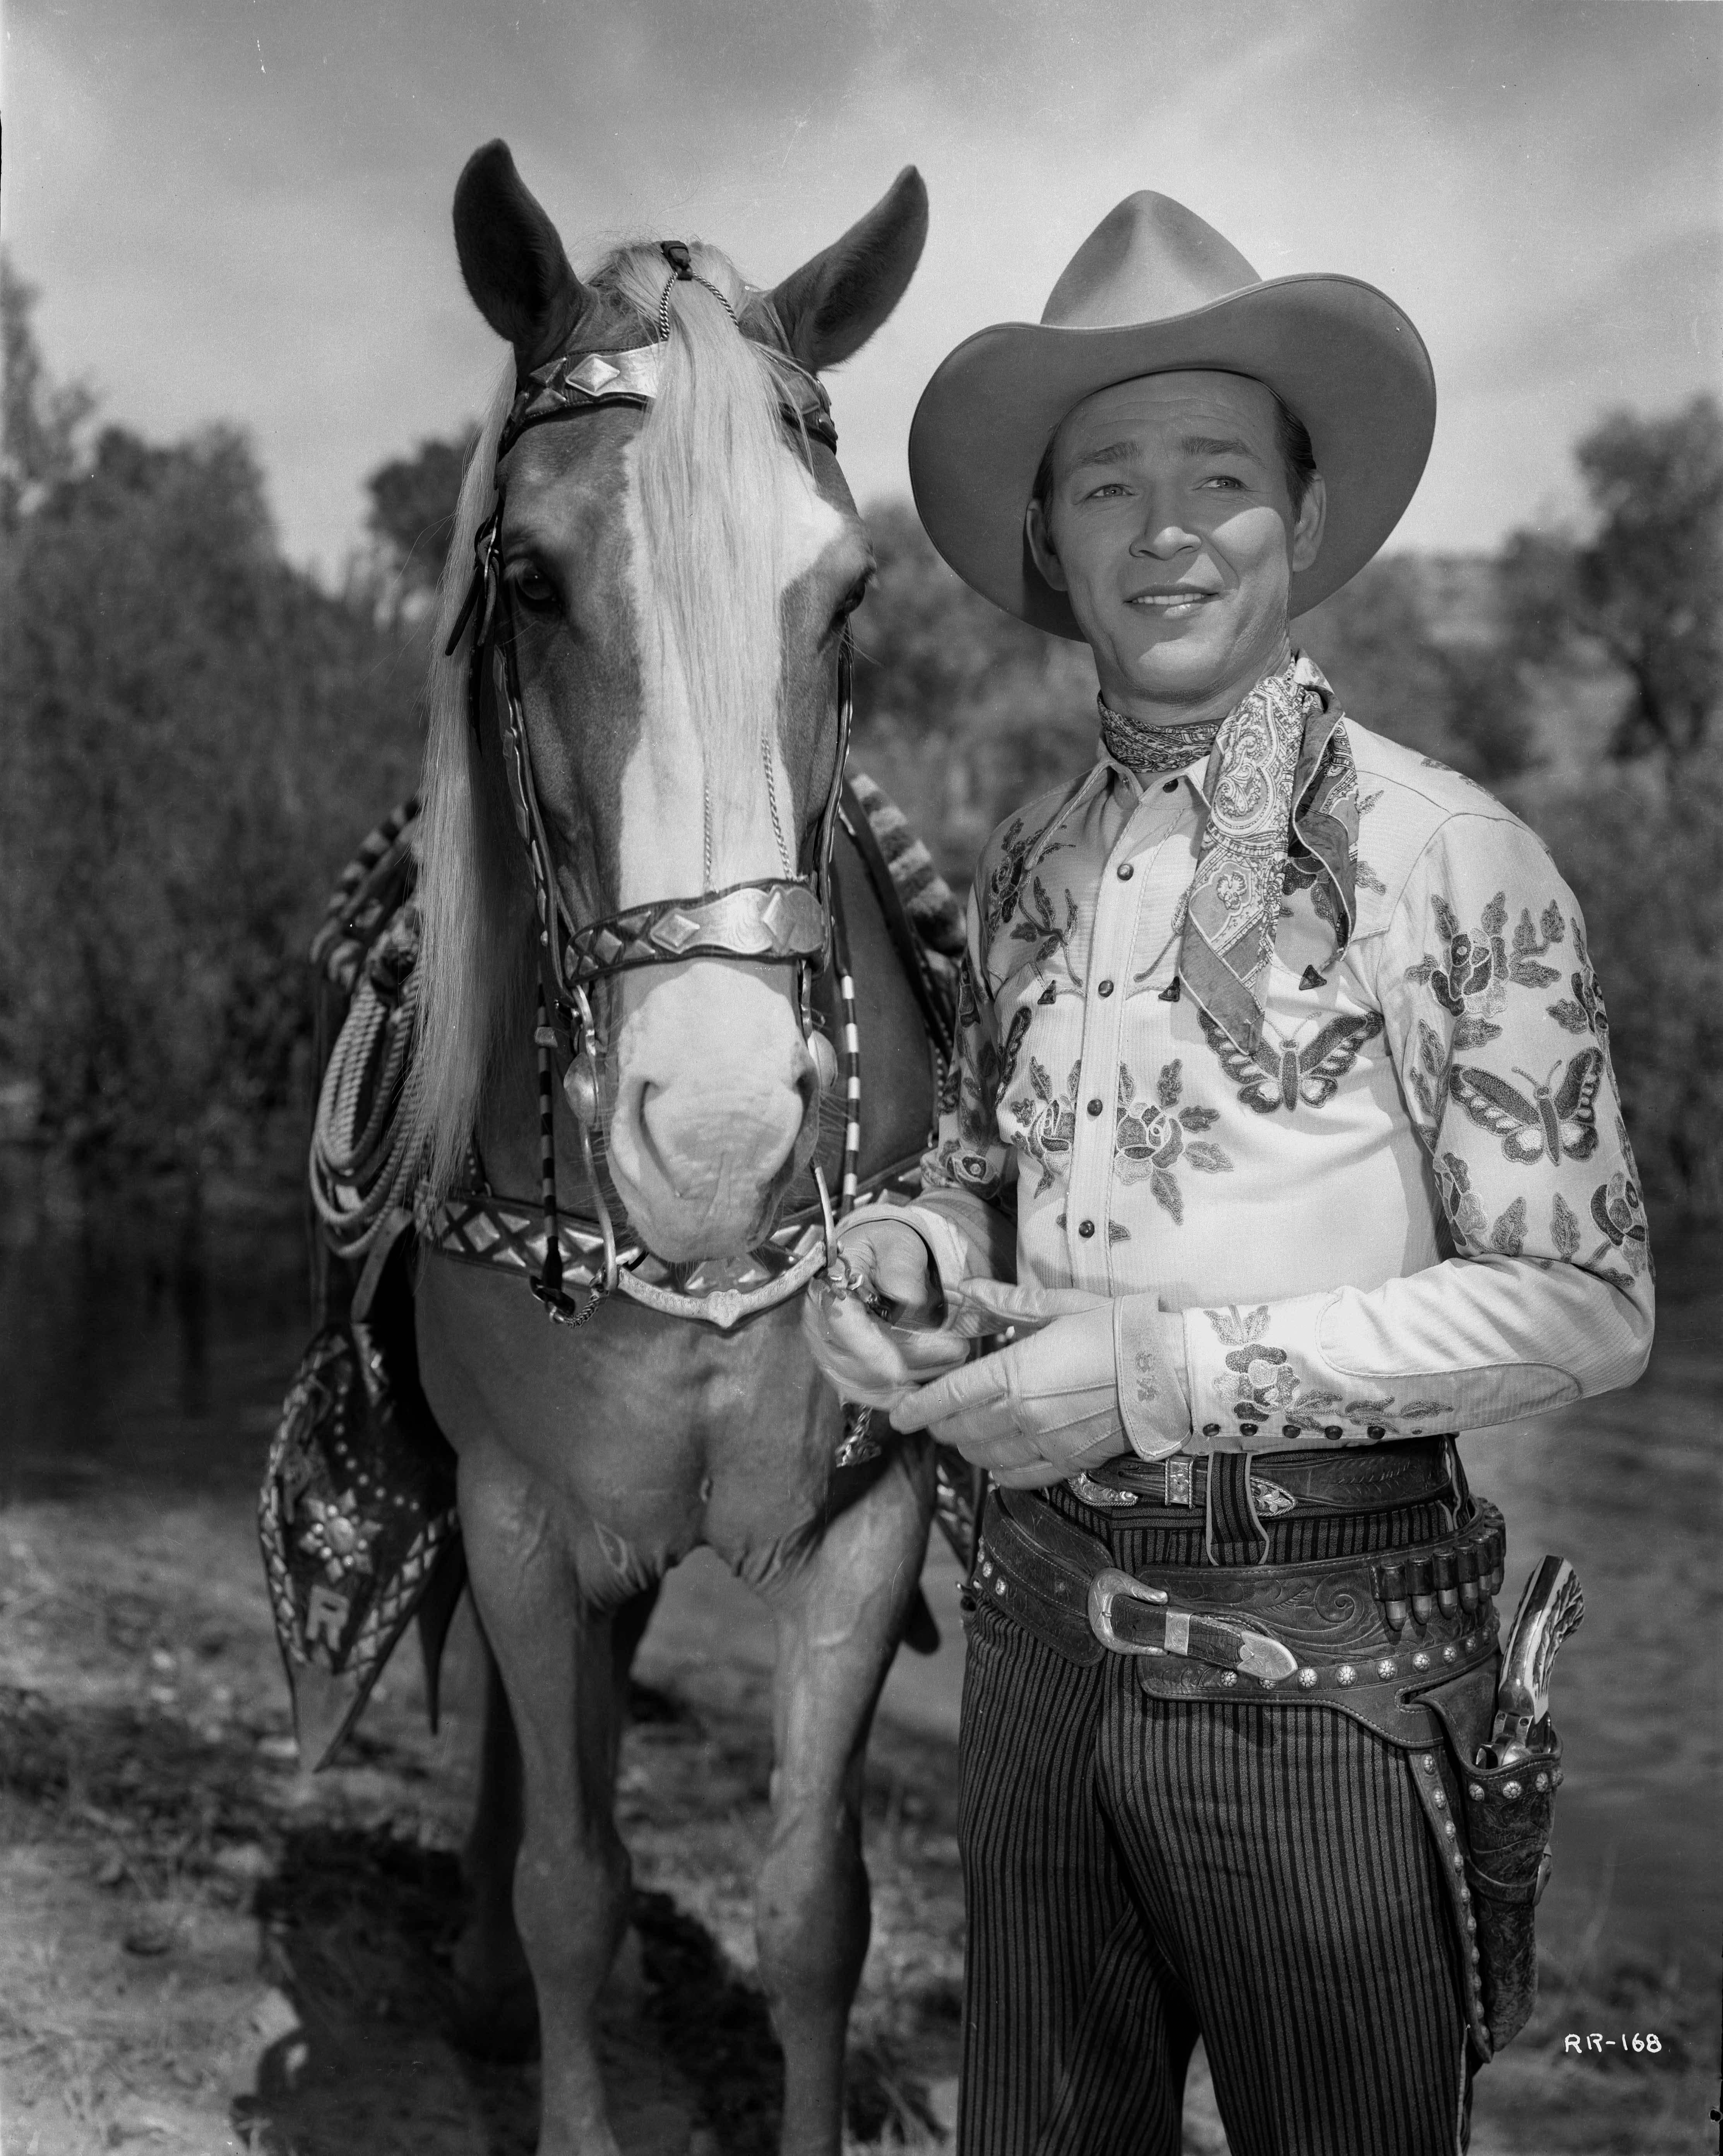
x,y
765,920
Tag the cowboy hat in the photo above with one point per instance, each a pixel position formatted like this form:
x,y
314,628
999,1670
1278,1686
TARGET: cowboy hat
x,y
1155,290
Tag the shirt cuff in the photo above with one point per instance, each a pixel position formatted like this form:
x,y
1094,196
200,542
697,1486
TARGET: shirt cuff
x,y
1280,1375
1148,1356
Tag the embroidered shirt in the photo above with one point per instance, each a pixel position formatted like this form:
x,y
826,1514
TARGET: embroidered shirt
x,y
1413,1208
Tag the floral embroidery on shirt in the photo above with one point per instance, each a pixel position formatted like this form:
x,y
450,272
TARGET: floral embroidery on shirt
x,y
1039,924
998,894
994,1069
1564,1228
1426,1079
1279,1076
1150,1138
1619,1211
1471,976
1473,1230
1559,1120
1046,1123
1460,1202
1508,1234
1261,1381
1585,1012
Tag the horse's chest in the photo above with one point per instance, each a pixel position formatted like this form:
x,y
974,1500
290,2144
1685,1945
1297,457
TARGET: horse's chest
x,y
655,1430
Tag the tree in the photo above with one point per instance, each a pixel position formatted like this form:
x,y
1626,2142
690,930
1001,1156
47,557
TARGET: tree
x,y
962,711
1462,702
40,425
412,504
1647,587
193,735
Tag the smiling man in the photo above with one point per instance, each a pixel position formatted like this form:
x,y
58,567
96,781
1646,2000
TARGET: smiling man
x,y
1284,1134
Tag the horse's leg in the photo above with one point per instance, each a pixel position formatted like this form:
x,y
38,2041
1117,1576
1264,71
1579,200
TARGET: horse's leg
x,y
556,1658
497,2012
840,1613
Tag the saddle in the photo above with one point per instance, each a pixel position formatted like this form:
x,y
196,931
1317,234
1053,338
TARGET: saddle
x,y
357,1513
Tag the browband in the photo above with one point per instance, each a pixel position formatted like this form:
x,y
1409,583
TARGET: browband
x,y
576,381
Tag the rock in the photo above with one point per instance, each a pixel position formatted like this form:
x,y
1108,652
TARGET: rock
x,y
274,2016
243,1861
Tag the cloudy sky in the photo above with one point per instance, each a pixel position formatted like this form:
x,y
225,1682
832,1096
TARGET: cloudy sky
x,y
239,208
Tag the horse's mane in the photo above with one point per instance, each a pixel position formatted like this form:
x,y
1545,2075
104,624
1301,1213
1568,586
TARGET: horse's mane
x,y
708,475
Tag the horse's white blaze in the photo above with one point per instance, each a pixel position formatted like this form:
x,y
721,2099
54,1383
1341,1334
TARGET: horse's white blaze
x,y
713,1078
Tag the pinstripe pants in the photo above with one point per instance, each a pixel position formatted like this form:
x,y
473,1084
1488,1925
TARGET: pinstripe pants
x,y
1138,1871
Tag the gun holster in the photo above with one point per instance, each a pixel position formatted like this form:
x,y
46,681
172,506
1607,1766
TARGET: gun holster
x,y
1507,1812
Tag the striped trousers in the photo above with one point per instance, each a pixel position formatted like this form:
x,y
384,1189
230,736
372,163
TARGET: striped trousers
x,y
1140,1871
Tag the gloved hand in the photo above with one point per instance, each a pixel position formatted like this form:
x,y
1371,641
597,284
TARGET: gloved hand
x,y
871,1358
1040,1408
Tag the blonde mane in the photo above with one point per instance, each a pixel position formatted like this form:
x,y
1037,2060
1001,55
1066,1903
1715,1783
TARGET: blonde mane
x,y
708,475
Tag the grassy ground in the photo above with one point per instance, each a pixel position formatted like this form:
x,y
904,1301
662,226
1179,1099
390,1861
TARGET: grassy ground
x,y
203,1951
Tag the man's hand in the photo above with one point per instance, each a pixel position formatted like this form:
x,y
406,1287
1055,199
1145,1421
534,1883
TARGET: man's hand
x,y
1040,1409
870,1359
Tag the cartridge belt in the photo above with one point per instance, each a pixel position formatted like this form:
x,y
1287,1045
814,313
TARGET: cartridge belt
x,y
1367,1636
1358,1480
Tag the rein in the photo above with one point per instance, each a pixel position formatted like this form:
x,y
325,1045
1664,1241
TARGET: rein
x,y
769,921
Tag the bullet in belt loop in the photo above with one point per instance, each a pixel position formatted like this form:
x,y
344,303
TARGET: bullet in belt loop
x,y
1466,1565
1391,1592
1447,1600
1423,1584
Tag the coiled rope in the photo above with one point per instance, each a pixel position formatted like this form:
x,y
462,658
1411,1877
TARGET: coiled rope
x,y
365,1158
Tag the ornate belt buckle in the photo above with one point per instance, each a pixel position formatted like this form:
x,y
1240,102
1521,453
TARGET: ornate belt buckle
x,y
1103,1589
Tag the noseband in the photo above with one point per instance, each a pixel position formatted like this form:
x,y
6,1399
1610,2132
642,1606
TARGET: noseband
x,y
766,920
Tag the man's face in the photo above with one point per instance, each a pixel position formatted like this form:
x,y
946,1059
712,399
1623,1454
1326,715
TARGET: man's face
x,y
1170,529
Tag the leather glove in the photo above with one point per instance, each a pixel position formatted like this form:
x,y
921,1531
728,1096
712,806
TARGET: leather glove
x,y
1043,1407
871,1358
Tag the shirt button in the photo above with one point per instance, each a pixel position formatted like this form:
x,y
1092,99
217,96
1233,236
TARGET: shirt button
x,y
1085,1228
1105,988
1126,871
1170,786
1096,1106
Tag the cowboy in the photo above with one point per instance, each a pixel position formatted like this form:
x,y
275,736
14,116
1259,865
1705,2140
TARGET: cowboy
x,y
1283,1144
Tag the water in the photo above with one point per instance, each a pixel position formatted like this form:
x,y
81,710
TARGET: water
x,y
135,1353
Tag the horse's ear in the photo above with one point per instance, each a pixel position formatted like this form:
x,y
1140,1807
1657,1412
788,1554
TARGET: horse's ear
x,y
512,259
831,306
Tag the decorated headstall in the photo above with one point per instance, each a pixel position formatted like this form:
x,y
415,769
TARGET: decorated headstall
x,y
766,920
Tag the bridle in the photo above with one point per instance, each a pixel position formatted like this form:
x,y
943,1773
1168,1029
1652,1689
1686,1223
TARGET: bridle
x,y
765,920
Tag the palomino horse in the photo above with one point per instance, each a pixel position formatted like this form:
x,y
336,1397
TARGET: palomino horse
x,y
657,675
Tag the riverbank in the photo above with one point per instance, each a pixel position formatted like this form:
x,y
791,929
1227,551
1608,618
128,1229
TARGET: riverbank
x,y
207,1952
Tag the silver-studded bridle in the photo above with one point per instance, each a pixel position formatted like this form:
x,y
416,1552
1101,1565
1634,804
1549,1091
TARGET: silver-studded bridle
x,y
766,920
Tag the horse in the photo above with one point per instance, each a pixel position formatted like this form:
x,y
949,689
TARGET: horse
x,y
636,737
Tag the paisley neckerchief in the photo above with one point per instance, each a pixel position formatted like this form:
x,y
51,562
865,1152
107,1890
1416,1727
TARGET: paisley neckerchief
x,y
1280,779
1146,749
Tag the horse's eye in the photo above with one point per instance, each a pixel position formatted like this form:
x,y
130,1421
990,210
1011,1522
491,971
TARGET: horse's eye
x,y
848,604
532,587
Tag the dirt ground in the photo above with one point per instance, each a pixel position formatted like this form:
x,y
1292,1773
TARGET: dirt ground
x,y
203,1951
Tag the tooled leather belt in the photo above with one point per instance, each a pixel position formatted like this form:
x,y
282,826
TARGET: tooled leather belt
x,y
1355,1481
1365,1635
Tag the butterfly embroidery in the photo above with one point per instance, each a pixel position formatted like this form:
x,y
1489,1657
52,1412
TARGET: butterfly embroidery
x,y
1557,1121
1281,1077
